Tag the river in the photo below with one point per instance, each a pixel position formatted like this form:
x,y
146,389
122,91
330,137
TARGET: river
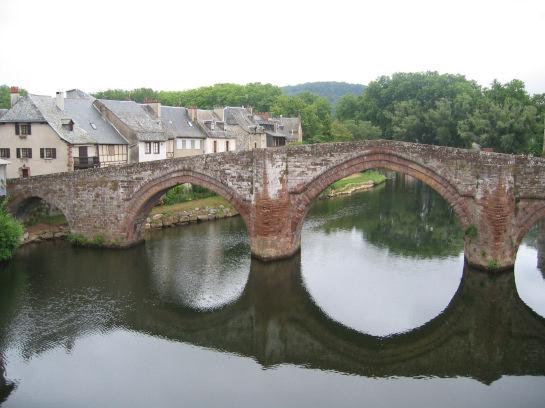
x,y
378,309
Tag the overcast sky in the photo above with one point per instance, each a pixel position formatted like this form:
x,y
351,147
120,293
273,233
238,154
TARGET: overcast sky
x,y
49,45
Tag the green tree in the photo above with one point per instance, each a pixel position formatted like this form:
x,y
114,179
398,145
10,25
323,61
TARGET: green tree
x,y
315,113
507,128
347,107
5,99
11,231
362,129
402,106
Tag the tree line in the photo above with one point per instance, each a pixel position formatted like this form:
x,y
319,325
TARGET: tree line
x,y
422,107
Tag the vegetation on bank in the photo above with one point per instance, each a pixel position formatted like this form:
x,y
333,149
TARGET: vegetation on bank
x,y
213,201
185,192
11,232
360,178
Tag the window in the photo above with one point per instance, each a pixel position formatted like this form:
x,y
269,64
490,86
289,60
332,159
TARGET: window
x,y
215,146
48,153
192,144
147,147
24,153
67,124
22,129
227,145
184,144
156,148
197,144
111,150
4,153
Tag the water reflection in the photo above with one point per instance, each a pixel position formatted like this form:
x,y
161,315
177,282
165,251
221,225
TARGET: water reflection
x,y
203,268
383,261
530,269
484,333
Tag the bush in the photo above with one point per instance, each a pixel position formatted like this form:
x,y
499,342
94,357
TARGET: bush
x,y
11,232
186,192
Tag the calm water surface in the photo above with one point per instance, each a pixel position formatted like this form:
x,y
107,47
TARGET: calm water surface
x,y
377,310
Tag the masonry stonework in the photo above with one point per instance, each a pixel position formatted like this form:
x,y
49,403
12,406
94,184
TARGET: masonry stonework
x,y
496,197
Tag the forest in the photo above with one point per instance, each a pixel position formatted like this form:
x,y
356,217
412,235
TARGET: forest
x,y
422,107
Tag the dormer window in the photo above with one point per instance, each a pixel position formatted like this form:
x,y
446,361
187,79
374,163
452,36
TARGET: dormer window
x,y
67,124
22,129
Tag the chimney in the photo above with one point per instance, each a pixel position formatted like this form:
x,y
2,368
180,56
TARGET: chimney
x,y
193,113
14,95
60,100
155,106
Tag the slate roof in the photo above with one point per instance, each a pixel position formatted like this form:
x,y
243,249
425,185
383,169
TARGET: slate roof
x,y
24,110
176,123
79,107
290,124
54,116
238,116
138,118
204,115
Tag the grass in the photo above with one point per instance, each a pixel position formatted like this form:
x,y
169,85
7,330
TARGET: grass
x,y
360,178
214,201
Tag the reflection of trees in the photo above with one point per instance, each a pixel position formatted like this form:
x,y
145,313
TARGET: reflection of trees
x,y
405,216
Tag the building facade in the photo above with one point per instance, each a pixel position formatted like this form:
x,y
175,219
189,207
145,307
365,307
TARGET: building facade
x,y
42,135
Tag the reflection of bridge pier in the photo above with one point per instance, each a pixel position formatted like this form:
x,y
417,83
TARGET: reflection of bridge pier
x,y
541,247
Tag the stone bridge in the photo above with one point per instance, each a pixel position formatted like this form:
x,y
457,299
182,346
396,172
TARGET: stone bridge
x,y
496,197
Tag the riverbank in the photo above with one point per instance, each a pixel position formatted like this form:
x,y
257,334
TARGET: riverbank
x,y
206,209
353,184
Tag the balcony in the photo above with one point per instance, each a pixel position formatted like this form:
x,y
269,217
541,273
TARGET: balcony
x,y
85,162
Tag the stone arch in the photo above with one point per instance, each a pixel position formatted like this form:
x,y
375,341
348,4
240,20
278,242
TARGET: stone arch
x,y
17,202
303,198
531,216
145,198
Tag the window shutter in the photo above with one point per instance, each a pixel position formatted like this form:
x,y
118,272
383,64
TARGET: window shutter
x,y
29,132
54,153
8,151
18,151
42,155
17,130
30,153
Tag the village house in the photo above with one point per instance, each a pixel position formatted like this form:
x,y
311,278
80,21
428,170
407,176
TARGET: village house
x,y
259,130
218,137
185,137
140,125
42,135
